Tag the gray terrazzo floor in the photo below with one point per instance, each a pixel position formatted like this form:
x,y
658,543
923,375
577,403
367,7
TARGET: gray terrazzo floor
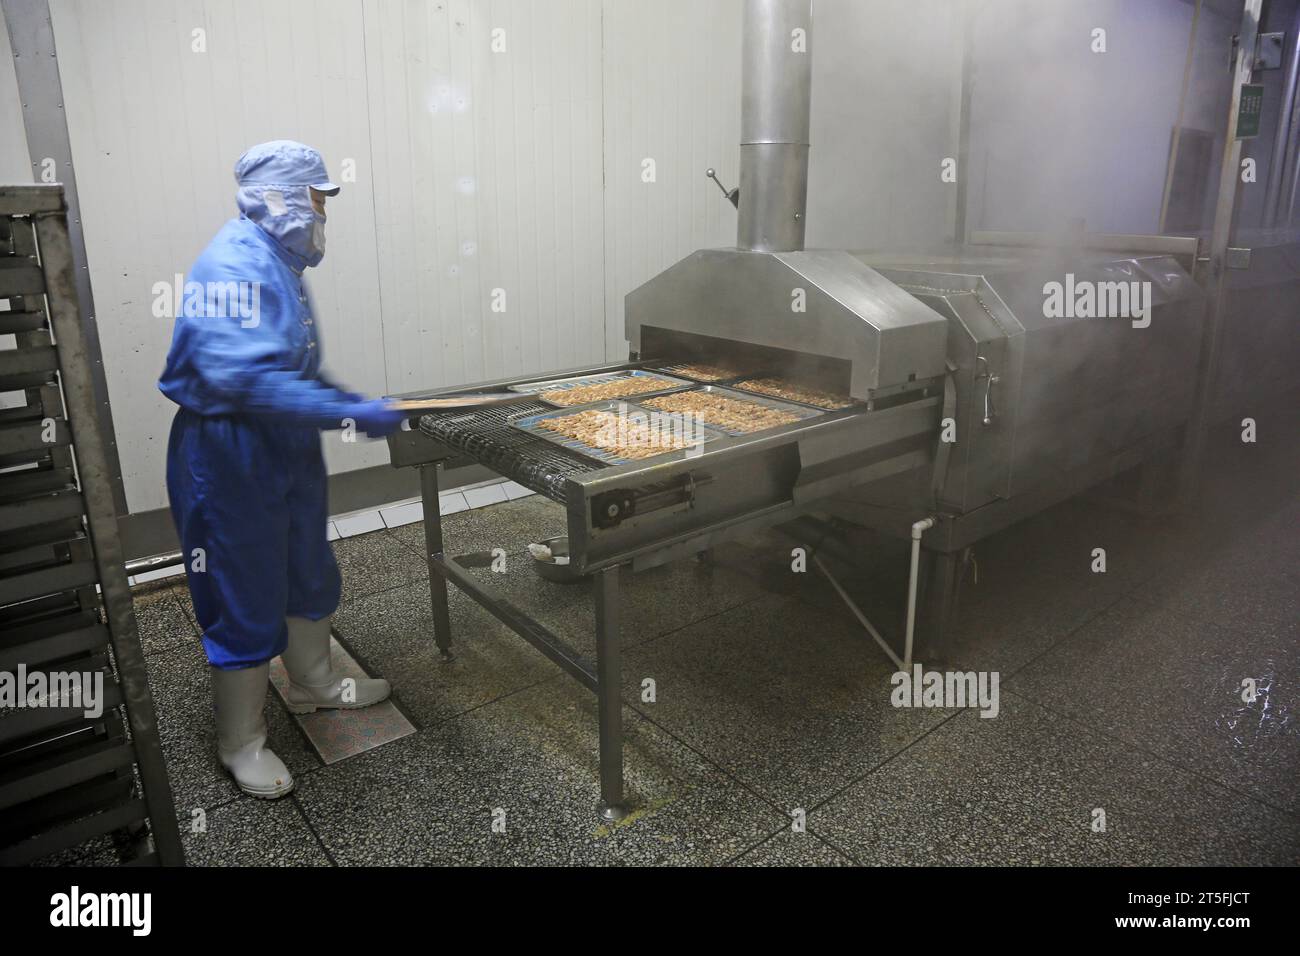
x,y
1120,694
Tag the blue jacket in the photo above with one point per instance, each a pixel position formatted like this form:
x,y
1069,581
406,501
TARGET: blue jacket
x,y
245,337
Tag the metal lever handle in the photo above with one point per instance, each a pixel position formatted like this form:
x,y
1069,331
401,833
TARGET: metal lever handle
x,y
733,195
989,381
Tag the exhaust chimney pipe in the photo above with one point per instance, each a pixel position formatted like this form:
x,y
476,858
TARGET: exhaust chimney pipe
x,y
776,92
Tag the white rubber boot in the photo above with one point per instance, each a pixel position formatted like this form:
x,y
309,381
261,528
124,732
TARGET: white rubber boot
x,y
313,684
238,698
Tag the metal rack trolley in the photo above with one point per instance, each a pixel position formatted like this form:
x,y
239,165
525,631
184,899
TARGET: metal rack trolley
x,y
65,604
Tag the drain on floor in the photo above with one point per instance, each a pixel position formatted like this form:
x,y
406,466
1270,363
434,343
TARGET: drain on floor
x,y
339,734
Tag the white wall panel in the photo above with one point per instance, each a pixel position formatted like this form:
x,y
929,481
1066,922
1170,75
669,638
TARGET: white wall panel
x,y
156,128
521,170
486,176
884,77
672,94
15,165
1061,132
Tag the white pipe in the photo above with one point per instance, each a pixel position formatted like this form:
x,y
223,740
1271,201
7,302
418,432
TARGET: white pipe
x,y
918,529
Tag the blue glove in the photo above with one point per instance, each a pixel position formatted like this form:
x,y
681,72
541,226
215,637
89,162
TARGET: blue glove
x,y
377,419
330,383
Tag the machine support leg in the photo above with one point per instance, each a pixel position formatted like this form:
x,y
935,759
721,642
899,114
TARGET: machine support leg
x,y
609,679
433,546
940,599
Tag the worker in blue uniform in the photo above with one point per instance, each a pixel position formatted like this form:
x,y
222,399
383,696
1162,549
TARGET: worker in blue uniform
x,y
245,476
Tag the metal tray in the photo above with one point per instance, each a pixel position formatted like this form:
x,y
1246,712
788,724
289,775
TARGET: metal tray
x,y
787,401
555,384
679,369
529,423
802,412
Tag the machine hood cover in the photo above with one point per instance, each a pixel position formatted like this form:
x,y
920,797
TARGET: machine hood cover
x,y
818,302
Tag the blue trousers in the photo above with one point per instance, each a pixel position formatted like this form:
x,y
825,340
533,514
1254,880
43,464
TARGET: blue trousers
x,y
248,495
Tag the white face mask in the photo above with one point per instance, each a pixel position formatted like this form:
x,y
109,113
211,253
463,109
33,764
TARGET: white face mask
x,y
318,235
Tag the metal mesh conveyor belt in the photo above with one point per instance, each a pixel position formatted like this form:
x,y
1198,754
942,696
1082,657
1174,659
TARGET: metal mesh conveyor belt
x,y
487,436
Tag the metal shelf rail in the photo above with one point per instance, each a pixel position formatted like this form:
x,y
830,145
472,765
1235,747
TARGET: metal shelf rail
x,y
75,771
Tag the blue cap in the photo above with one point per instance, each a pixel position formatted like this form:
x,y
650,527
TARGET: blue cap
x,y
282,162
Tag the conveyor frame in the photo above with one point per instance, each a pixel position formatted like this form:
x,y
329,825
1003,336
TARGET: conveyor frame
x,y
790,469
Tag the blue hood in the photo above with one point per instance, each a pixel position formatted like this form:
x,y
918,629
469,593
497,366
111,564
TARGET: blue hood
x,y
288,218
275,179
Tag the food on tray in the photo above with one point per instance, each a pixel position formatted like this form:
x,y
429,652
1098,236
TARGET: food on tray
x,y
779,388
730,414
627,436
705,373
601,391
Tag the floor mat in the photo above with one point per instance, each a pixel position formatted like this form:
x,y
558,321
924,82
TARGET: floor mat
x,y
339,734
